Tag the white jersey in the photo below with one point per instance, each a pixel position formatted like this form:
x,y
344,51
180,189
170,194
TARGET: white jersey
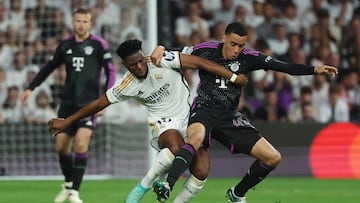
x,y
164,90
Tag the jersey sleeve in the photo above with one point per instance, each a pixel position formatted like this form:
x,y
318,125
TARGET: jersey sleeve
x,y
171,59
55,61
270,63
116,93
107,63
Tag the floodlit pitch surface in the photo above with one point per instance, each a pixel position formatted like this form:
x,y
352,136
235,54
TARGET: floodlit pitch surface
x,y
272,190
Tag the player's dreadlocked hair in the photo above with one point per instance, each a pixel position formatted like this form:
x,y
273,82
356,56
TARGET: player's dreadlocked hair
x,y
237,28
128,48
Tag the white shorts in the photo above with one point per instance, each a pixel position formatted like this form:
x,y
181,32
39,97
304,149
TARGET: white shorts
x,y
160,125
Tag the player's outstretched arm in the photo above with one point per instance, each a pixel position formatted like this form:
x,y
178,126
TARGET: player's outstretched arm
x,y
325,69
57,125
195,62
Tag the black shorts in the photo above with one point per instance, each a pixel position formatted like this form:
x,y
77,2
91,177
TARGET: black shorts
x,y
88,122
230,128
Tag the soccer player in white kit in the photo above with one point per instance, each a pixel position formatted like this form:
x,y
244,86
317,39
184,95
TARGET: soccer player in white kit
x,y
165,93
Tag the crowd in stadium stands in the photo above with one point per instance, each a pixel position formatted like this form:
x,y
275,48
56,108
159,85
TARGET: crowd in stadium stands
x,y
308,31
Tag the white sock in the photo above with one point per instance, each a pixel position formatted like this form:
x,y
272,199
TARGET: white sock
x,y
162,163
190,189
68,184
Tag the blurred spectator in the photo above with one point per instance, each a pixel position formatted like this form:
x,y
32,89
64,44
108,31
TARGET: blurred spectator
x,y
225,13
128,28
350,91
13,40
39,52
251,38
351,47
270,111
56,26
57,85
191,23
29,31
261,78
302,6
290,17
318,38
340,11
308,17
322,53
299,57
108,13
12,110
282,84
3,86
296,106
295,45
240,14
307,113
320,94
279,43
42,112
256,18
335,109
16,75
6,54
43,14
217,31
331,30
16,14
4,21
265,29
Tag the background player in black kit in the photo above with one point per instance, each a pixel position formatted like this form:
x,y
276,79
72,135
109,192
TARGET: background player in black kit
x,y
214,114
84,55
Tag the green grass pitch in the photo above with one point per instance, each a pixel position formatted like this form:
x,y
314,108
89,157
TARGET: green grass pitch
x,y
271,190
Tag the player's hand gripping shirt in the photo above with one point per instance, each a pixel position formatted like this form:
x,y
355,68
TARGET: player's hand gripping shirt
x,y
217,92
164,90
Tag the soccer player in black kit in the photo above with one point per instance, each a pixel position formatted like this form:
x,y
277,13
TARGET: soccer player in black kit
x,y
214,115
84,55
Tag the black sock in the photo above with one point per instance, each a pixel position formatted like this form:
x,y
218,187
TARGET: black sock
x,y
180,164
66,165
78,169
257,172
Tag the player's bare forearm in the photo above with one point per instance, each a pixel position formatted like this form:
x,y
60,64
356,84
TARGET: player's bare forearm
x,y
57,125
90,109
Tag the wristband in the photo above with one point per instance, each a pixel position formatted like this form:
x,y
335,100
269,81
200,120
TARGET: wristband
x,y
233,78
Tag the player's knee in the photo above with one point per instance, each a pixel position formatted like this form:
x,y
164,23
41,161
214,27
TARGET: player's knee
x,y
275,159
61,150
81,147
196,139
174,147
201,173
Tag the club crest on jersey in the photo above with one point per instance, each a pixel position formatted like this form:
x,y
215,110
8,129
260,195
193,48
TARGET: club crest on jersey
x,y
158,76
235,66
88,50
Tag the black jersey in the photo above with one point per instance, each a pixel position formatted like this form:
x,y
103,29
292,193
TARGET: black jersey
x,y
84,61
217,92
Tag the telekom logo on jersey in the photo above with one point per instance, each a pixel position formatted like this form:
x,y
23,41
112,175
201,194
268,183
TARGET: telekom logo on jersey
x,y
78,63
